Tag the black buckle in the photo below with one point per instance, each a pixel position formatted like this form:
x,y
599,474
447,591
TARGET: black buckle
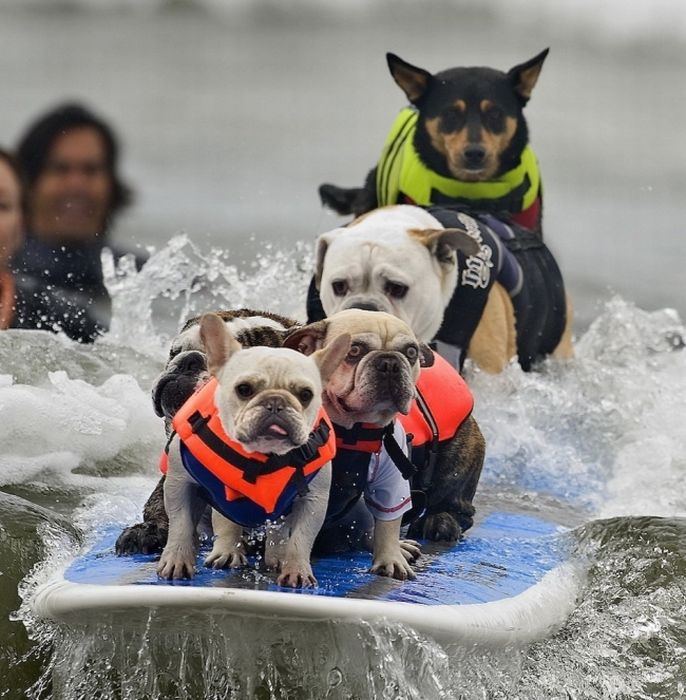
x,y
197,421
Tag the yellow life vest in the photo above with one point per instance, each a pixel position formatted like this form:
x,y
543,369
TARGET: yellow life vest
x,y
402,177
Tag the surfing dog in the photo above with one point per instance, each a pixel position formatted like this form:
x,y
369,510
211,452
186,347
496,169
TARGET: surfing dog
x,y
255,441
464,142
366,397
403,260
184,373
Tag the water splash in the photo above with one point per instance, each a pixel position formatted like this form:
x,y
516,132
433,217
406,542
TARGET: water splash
x,y
179,281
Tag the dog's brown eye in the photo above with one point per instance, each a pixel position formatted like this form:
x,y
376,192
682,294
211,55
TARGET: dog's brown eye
x,y
305,396
412,353
245,390
452,120
340,287
396,290
356,351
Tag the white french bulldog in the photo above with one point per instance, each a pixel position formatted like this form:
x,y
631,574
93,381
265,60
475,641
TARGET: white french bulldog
x,y
267,400
400,259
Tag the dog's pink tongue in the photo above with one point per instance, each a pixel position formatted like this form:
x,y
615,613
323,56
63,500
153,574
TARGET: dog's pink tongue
x,y
277,429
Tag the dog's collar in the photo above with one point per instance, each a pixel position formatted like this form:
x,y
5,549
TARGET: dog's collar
x,y
402,175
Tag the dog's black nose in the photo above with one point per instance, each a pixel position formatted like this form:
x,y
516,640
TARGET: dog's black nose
x,y
192,362
275,404
388,364
474,155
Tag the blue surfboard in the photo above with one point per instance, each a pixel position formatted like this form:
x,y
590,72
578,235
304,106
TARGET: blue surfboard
x,y
509,580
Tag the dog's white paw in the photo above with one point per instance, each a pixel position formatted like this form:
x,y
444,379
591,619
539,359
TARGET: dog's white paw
x,y
176,563
394,564
296,575
226,556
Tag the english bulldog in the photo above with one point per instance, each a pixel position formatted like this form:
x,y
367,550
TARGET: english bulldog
x,y
402,260
263,402
373,386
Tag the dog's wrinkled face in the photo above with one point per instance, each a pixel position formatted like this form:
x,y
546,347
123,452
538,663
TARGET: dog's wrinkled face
x,y
469,116
376,380
396,259
267,398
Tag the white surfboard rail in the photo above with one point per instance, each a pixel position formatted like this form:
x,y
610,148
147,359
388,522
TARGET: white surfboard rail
x,y
533,614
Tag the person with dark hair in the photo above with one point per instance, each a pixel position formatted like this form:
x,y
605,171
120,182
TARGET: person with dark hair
x,y
68,161
10,234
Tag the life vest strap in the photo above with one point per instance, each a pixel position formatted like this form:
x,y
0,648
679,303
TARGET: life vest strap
x,y
362,437
395,452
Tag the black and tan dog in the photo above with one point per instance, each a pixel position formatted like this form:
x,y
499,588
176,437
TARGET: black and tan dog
x,y
463,143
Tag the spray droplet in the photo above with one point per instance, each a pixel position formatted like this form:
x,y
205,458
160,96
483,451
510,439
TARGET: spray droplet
x,y
335,677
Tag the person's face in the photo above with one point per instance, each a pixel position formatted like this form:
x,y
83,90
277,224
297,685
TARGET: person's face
x,y
10,213
71,198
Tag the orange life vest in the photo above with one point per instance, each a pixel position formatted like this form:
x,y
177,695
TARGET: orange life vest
x,y
443,403
230,473
6,299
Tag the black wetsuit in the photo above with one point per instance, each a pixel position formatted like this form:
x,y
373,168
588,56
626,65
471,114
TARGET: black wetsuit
x,y
60,287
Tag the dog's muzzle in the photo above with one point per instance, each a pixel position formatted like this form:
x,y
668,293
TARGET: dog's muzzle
x,y
178,382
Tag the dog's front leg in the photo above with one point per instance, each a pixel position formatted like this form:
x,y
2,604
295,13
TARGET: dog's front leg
x,y
389,558
289,547
184,508
228,549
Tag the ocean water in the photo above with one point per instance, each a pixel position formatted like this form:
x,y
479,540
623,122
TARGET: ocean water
x,y
232,113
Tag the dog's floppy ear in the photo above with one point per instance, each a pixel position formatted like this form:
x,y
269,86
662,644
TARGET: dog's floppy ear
x,y
524,76
426,356
412,81
323,243
307,339
443,242
330,357
218,342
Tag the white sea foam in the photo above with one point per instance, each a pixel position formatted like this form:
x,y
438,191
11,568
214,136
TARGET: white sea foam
x,y
606,429
51,430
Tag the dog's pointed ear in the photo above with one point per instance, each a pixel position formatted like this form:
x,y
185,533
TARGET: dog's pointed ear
x,y
444,242
219,344
524,76
412,81
332,355
307,339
